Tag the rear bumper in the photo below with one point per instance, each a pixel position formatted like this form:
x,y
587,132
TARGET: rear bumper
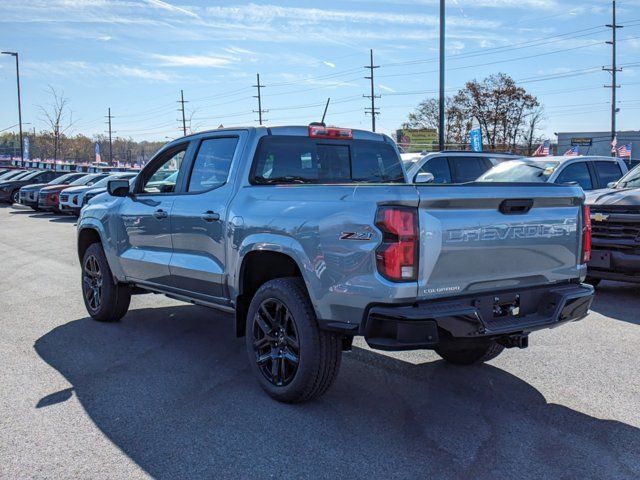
x,y
614,265
421,325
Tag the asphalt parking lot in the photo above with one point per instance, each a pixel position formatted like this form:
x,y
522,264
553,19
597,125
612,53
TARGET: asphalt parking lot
x,y
167,393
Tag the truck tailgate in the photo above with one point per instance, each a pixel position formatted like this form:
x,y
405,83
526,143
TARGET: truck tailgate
x,y
482,237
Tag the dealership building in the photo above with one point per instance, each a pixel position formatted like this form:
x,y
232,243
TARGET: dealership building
x,y
598,143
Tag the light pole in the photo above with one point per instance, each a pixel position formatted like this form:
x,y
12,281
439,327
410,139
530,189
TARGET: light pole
x,y
15,54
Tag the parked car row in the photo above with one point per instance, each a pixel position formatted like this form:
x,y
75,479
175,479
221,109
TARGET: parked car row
x,y
590,172
57,192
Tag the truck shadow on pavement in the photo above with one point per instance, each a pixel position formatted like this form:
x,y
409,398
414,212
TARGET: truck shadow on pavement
x,y
618,300
171,388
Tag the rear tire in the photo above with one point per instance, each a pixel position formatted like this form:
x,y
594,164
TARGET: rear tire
x,y
594,282
469,352
15,196
105,300
292,359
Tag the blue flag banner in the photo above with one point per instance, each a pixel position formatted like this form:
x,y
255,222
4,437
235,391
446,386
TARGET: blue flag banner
x,y
25,141
475,137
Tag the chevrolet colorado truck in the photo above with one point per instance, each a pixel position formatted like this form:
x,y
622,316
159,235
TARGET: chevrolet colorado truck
x,y
310,235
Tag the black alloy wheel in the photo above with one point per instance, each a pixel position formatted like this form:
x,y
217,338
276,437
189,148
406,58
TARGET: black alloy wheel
x,y
92,282
15,197
275,342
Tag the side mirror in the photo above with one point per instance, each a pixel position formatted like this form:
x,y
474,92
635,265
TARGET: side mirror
x,y
118,188
425,177
612,184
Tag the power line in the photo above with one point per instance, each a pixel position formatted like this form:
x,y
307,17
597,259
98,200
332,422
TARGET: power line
x,y
373,111
260,111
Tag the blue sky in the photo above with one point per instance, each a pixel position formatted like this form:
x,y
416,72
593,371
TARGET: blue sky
x,y
135,55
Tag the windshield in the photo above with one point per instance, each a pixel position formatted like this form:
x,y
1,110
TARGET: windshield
x,y
27,176
105,181
631,179
520,171
86,179
63,179
11,174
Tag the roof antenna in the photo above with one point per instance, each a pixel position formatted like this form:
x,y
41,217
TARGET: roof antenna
x,y
325,110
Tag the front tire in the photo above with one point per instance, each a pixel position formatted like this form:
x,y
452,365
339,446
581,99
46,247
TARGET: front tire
x,y
15,196
469,352
105,300
293,360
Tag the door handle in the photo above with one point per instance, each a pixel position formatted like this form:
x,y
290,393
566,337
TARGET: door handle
x,y
210,216
160,214
516,206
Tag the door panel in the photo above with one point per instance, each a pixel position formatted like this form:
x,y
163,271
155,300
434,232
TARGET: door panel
x,y
145,245
199,219
146,248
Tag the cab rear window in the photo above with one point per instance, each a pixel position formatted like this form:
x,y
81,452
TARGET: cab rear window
x,y
294,159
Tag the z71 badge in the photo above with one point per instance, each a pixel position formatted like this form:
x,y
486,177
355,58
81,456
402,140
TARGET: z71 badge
x,y
355,236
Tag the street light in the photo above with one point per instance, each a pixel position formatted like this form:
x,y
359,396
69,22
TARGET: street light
x,y
15,54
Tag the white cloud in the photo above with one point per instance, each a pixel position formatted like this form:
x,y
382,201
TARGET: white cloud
x,y
329,64
385,88
80,70
261,14
193,60
171,8
238,50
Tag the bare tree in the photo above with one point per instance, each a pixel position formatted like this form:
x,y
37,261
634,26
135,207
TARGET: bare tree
x,y
58,116
191,126
531,128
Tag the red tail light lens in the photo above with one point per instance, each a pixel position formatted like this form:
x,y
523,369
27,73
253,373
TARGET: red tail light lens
x,y
318,131
397,255
586,234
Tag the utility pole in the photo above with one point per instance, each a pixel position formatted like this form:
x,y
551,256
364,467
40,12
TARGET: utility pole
x,y
441,100
613,70
260,111
109,117
372,110
15,54
184,122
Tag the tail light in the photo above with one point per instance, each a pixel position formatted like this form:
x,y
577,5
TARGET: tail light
x,y
586,234
397,255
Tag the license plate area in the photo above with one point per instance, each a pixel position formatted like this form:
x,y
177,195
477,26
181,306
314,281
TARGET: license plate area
x,y
600,259
506,305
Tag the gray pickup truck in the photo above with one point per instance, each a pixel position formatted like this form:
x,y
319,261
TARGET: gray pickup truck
x,y
311,236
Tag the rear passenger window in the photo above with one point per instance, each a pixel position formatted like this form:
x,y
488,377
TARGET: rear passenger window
x,y
211,166
294,159
608,172
467,169
576,172
439,168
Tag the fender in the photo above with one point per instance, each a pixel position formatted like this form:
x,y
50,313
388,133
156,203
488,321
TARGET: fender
x,y
106,238
272,243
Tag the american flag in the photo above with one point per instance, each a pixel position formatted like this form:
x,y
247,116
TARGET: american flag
x,y
572,152
542,150
625,151
614,144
